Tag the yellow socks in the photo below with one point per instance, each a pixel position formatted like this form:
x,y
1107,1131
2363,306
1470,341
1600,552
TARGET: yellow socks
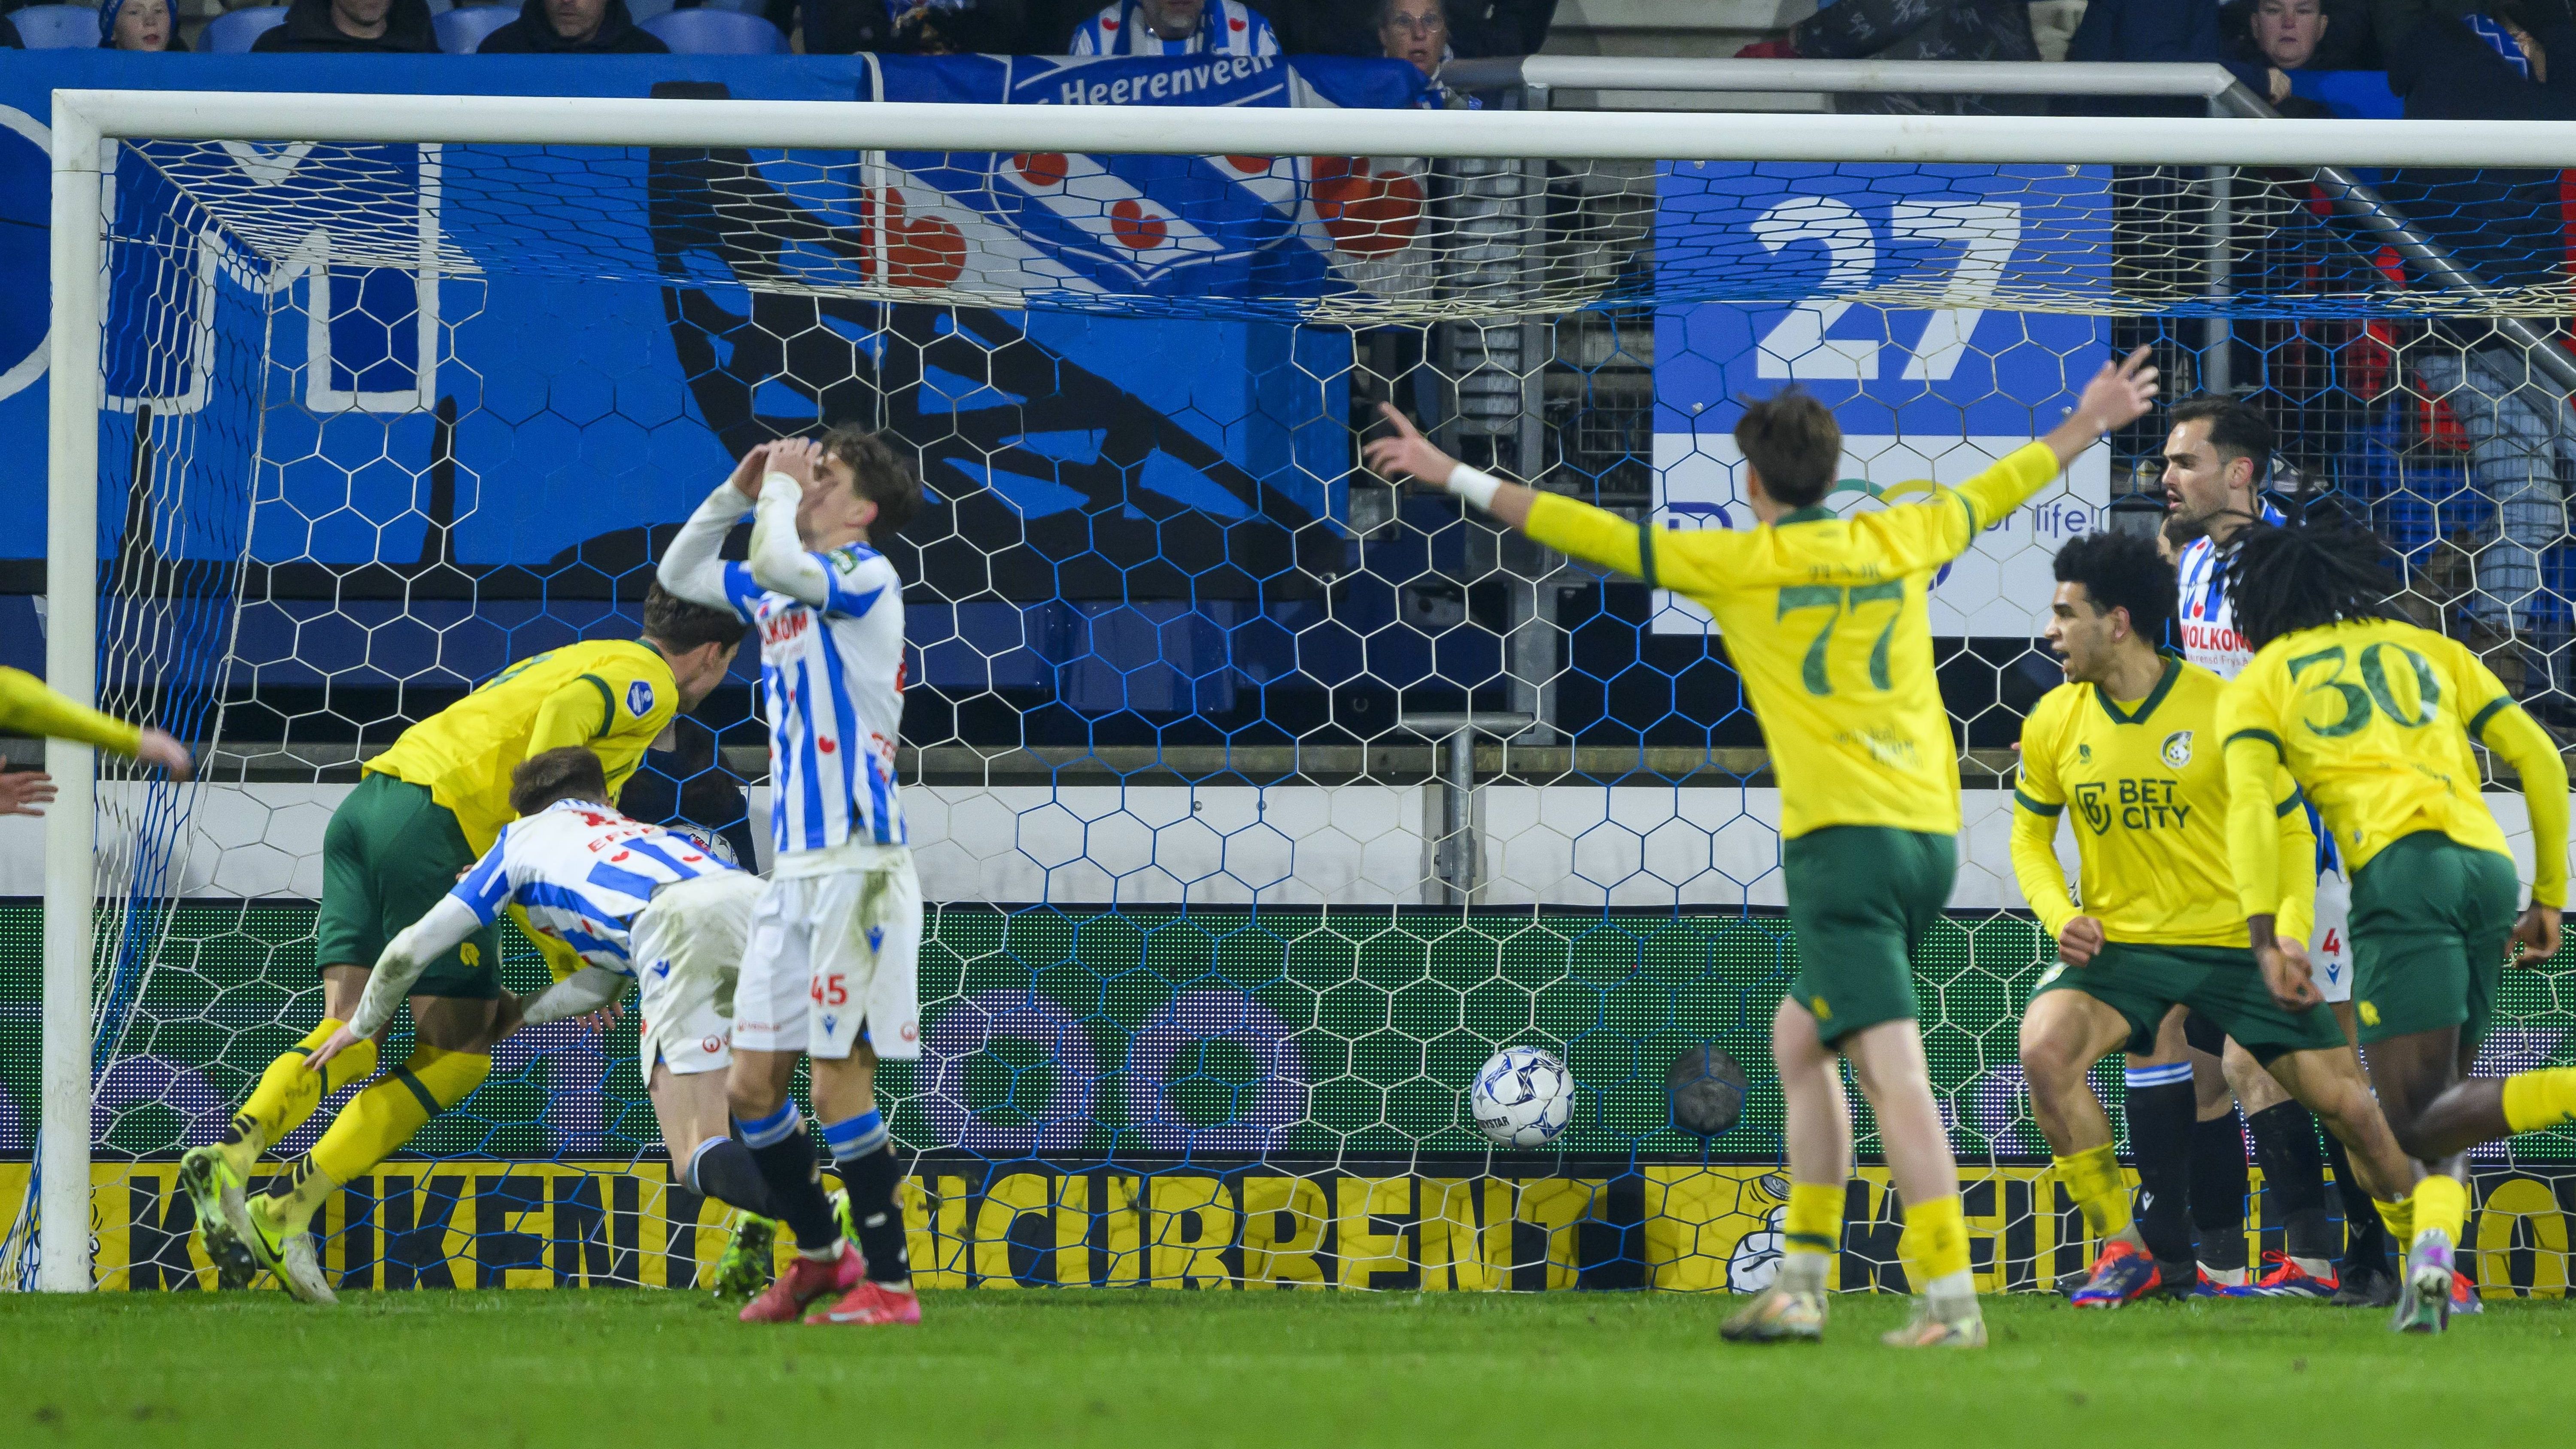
x,y
2441,1204
2533,1100
1934,1246
2101,1191
1811,1234
287,1094
2399,1217
374,1126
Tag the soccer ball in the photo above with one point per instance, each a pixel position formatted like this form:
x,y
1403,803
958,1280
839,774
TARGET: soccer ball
x,y
1523,1097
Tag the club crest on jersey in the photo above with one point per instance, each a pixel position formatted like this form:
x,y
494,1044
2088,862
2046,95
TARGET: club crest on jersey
x,y
2084,754
639,699
2088,799
2177,750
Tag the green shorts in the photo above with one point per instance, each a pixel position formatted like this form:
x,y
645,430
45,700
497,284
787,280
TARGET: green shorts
x,y
2142,983
2430,920
1861,898
388,854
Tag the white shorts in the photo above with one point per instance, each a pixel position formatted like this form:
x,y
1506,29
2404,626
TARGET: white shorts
x,y
688,945
2330,952
834,960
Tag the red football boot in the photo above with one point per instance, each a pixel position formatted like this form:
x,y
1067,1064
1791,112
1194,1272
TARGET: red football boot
x,y
873,1303
805,1280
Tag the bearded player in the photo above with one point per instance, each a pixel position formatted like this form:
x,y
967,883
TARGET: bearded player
x,y
830,972
2128,748
422,813
2217,458
641,904
1827,623
2374,718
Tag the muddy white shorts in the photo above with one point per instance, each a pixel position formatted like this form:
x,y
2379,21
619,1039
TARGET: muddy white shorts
x,y
688,946
834,956
2330,949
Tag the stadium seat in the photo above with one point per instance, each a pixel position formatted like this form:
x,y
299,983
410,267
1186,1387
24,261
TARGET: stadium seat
x,y
238,30
463,28
57,27
738,7
640,11
717,32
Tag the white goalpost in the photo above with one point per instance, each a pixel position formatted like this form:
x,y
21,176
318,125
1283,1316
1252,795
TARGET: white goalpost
x,y
88,127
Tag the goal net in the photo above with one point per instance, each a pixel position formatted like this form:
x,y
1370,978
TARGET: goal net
x,y
1258,804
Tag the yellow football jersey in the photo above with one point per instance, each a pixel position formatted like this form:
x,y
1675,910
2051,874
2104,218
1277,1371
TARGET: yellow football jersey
x,y
2147,787
615,696
1826,621
2374,718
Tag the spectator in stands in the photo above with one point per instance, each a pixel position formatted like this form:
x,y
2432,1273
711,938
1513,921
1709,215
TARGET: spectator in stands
x,y
2505,227
571,27
1913,30
1415,30
380,27
956,27
137,25
1175,27
2280,36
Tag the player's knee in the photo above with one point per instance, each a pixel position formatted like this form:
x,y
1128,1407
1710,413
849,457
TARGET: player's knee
x,y
2045,1064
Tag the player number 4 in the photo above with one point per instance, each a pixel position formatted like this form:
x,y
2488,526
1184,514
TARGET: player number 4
x,y
1836,602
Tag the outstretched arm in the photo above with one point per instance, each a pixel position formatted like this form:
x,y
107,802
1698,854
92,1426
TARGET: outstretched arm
x,y
579,994
692,567
28,706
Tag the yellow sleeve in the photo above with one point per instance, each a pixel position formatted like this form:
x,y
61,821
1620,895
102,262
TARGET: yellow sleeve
x,y
576,714
2512,733
2039,798
27,706
1992,496
1596,535
634,681
2296,920
2254,759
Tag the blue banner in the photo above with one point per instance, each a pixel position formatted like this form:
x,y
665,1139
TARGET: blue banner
x,y
490,372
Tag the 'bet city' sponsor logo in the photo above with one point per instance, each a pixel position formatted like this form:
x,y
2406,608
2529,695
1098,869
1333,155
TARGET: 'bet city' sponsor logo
x,y
2131,804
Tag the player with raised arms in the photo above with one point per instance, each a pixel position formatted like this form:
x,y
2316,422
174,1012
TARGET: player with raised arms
x,y
2130,742
2374,717
638,903
422,813
1827,624
830,972
2218,458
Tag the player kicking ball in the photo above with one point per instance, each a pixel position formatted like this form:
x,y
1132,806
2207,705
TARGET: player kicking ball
x,y
829,974
1826,621
2374,718
639,903
422,813
2130,742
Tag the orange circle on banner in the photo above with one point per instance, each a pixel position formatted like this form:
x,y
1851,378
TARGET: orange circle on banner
x,y
1041,168
1136,228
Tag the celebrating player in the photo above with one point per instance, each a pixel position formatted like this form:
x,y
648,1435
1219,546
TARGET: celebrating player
x,y
1827,624
422,812
2374,718
2217,457
829,973
638,903
2129,741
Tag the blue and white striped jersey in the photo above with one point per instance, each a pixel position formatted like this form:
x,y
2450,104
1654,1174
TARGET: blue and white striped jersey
x,y
831,680
2204,617
1226,27
583,873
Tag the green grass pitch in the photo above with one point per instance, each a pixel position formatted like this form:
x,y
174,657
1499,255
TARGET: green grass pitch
x,y
1135,1368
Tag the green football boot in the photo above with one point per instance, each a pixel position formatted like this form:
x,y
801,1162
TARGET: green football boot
x,y
215,1191
750,1257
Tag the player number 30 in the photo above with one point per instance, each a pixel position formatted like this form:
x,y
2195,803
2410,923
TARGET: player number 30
x,y
2374,691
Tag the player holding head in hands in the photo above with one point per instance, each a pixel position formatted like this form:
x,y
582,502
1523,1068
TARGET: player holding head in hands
x,y
829,973
2130,741
2374,718
422,812
1826,621
638,903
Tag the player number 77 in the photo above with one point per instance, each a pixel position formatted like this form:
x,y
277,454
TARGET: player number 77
x,y
1798,598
